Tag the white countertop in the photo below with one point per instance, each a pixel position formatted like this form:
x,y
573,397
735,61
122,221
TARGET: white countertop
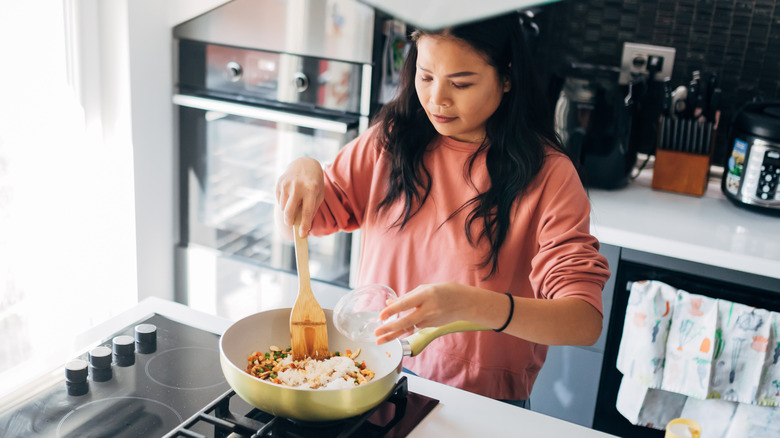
x,y
708,229
458,413
463,414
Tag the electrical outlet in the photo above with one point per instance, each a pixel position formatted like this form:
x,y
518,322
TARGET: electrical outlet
x,y
637,59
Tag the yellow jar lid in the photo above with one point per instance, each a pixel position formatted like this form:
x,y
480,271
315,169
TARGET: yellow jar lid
x,y
683,428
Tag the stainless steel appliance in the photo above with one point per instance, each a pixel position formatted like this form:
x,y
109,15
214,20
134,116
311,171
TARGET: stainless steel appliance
x,y
260,83
753,168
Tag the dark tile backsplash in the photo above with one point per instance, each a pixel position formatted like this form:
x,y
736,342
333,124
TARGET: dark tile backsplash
x,y
739,40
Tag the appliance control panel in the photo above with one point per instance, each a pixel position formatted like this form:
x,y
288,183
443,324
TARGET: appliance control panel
x,y
768,176
274,77
762,174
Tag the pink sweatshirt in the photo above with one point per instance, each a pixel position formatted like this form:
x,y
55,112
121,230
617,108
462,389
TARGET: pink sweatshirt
x,y
548,253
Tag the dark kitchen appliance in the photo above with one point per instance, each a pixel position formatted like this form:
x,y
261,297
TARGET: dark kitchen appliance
x,y
259,84
593,117
752,171
175,388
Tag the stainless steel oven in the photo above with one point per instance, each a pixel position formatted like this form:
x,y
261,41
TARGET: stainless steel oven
x,y
260,83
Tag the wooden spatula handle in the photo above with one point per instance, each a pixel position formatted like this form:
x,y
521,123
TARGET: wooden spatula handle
x,y
301,254
308,325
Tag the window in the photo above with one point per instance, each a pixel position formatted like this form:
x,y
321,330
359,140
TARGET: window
x,y
67,226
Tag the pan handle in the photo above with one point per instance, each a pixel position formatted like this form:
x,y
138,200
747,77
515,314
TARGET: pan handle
x,y
414,344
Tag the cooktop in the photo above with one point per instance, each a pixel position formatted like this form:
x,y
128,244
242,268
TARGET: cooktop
x,y
162,378
141,382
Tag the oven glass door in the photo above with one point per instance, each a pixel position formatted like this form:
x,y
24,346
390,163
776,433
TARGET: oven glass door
x,y
231,157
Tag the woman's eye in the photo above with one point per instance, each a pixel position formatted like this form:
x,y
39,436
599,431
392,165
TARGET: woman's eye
x,y
426,78
460,86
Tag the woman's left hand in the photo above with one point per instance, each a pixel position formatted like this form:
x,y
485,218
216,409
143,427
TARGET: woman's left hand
x,y
428,305
560,321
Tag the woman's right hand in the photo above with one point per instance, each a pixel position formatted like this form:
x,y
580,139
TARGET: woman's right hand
x,y
299,189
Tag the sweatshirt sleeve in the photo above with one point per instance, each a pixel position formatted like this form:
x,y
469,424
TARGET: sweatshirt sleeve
x,y
568,262
348,183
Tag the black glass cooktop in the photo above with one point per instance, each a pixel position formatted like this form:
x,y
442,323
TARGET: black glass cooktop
x,y
141,382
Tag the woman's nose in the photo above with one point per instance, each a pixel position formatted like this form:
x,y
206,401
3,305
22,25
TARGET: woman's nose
x,y
439,95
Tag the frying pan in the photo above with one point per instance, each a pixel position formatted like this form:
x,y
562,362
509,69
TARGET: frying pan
x,y
259,331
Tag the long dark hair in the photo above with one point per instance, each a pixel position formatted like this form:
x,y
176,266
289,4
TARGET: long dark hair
x,y
516,134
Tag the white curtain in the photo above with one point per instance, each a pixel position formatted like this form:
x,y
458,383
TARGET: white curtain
x,y
67,225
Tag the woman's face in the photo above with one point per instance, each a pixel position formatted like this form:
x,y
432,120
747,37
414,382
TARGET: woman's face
x,y
457,88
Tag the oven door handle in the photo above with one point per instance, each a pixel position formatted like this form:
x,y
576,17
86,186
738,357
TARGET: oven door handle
x,y
258,113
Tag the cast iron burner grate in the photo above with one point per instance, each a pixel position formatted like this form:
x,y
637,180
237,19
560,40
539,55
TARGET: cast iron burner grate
x,y
257,424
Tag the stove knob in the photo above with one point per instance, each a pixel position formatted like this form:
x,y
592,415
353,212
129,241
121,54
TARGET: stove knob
x,y
76,377
100,364
124,350
146,338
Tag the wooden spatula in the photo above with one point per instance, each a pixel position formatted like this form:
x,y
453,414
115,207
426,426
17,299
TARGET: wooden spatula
x,y
308,329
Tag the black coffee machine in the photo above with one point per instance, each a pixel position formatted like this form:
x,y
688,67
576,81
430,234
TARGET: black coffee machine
x,y
594,117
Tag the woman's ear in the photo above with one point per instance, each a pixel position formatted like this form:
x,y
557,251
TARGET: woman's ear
x,y
507,81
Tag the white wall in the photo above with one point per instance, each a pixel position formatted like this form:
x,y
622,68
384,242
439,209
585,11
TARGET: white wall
x,y
150,60
125,81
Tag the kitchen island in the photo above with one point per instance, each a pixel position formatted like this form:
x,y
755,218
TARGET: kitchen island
x,y
702,245
707,237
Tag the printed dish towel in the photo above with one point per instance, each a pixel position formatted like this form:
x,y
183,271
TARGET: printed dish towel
x,y
718,359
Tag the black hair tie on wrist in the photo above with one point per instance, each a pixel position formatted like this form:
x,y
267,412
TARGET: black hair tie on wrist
x,y
511,312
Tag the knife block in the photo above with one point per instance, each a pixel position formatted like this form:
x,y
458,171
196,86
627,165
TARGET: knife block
x,y
683,167
681,172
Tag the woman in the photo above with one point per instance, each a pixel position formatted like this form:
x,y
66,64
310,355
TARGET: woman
x,y
469,209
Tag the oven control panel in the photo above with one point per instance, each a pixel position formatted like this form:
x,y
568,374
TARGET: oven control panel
x,y
276,78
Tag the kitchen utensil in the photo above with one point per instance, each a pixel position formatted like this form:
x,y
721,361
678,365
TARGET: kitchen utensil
x,y
710,106
713,107
308,330
356,314
259,331
693,96
679,101
666,102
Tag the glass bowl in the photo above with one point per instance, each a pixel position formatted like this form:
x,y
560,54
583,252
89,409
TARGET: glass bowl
x,y
356,314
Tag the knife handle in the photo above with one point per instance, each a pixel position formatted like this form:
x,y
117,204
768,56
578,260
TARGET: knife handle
x,y
714,104
666,101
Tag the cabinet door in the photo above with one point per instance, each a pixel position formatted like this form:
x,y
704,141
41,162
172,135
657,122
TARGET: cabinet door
x,y
612,253
568,384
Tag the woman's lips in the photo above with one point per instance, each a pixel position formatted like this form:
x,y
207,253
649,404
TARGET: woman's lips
x,y
442,119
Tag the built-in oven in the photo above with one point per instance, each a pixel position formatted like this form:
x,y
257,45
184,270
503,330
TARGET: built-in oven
x,y
234,148
259,84
725,284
